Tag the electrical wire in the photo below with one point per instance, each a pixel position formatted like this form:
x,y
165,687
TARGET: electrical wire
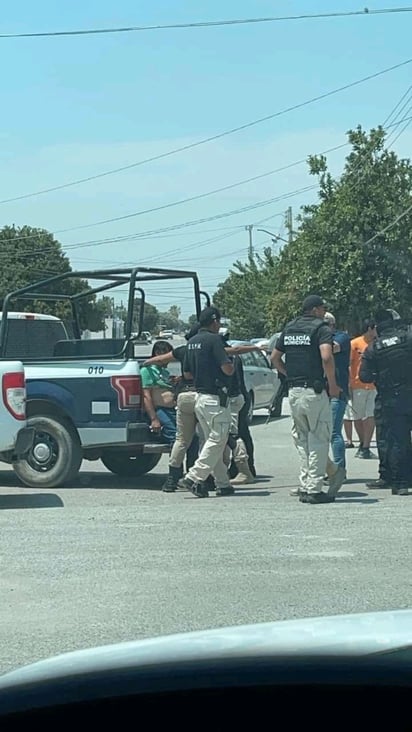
x,y
396,107
401,132
401,109
211,23
176,227
206,140
388,227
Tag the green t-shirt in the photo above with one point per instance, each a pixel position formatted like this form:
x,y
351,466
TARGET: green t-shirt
x,y
155,376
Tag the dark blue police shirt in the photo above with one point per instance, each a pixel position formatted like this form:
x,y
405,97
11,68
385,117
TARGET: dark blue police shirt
x,y
205,354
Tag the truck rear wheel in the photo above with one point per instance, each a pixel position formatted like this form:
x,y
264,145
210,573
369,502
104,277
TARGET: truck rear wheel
x,y
55,457
129,465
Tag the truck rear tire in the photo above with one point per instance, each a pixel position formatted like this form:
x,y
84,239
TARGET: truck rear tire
x,y
129,465
55,457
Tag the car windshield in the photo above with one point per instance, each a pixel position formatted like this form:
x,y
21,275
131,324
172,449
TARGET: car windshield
x,y
227,442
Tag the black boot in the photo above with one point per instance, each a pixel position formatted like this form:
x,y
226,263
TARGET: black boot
x,y
170,484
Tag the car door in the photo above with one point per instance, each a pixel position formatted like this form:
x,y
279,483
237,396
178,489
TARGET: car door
x,y
268,377
252,376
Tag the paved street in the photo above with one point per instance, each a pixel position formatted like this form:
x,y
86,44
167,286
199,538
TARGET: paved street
x,y
109,560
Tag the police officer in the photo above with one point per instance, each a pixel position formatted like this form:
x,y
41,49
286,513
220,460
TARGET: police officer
x,y
307,343
236,455
187,441
208,363
388,363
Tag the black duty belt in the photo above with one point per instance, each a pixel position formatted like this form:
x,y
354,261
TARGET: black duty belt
x,y
305,383
207,391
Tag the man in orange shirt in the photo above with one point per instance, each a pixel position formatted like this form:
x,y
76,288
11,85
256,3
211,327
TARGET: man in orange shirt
x,y
363,395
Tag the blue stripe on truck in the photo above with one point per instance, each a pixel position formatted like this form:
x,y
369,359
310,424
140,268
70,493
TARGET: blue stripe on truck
x,y
75,396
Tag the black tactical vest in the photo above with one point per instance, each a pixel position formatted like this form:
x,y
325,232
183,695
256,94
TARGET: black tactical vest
x,y
393,354
303,359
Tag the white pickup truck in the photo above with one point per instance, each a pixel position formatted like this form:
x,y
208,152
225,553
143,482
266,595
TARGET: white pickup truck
x,y
16,439
84,396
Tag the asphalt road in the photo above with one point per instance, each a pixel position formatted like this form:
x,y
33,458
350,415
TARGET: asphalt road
x,y
109,560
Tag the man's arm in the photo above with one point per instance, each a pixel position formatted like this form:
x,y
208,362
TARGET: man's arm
x,y
276,359
162,360
228,368
236,350
328,363
325,342
150,410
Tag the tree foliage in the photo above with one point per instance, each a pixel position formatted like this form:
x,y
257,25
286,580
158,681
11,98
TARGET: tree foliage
x,y
244,295
331,254
31,254
151,318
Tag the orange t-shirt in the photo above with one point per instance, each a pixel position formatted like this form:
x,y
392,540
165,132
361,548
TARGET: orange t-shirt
x,y
357,347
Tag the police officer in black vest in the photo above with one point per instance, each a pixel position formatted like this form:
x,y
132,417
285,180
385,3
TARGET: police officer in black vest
x,y
388,363
309,366
207,362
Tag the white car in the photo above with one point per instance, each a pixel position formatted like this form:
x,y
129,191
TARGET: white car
x,y
166,334
262,382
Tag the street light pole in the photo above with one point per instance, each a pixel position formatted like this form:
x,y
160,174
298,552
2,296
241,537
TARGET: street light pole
x,y
249,228
289,224
275,237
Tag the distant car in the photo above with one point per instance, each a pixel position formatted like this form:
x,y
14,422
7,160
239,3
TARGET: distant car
x,y
262,382
166,334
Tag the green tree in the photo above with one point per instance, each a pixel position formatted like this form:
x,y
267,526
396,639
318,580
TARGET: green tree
x,y
151,317
171,318
192,320
29,254
331,254
244,295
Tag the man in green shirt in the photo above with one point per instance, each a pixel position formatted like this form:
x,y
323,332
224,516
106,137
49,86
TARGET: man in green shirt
x,y
158,395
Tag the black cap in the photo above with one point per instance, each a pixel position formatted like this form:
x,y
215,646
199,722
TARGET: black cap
x,y
384,316
312,301
208,316
192,332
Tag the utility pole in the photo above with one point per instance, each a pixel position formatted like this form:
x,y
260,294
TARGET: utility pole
x,y
289,224
250,230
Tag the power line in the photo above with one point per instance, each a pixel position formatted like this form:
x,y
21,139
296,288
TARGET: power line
x,y
174,227
210,23
402,108
234,212
168,231
206,140
401,131
389,226
397,107
190,199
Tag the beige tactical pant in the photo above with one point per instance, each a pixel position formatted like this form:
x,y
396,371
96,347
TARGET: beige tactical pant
x,y
185,427
311,432
240,452
214,422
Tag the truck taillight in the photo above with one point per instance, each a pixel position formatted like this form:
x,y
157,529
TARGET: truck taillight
x,y
128,391
14,393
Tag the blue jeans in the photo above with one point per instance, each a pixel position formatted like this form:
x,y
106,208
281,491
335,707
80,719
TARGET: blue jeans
x,y
337,441
167,418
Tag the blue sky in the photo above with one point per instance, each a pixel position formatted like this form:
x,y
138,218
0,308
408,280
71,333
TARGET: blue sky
x,y
76,106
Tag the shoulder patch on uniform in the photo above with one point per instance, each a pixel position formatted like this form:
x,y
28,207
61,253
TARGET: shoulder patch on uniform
x,y
392,341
